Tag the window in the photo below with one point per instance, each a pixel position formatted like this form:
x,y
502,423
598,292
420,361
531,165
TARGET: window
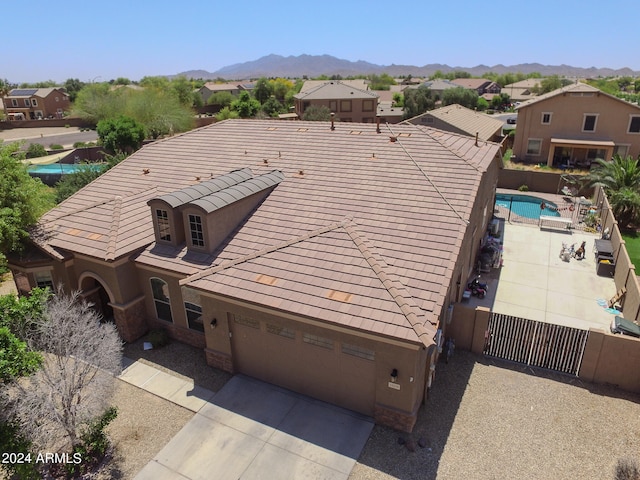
x,y
44,279
318,341
194,316
195,227
14,102
357,351
367,106
282,331
546,118
534,146
345,105
160,291
27,103
57,99
634,124
589,124
426,119
333,105
164,230
34,102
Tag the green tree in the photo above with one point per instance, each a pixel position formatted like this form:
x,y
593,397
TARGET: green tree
x,y
97,102
317,113
72,86
183,90
461,96
245,105
281,87
620,179
160,112
272,107
482,104
417,101
121,134
262,90
226,113
22,200
398,100
223,99
16,360
159,83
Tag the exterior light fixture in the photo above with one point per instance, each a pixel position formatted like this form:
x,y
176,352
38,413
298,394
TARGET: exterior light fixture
x,y
394,375
214,323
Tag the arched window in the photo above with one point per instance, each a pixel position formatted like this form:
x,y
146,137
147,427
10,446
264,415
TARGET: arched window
x,y
161,299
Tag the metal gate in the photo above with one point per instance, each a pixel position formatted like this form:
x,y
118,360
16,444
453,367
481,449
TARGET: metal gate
x,y
539,344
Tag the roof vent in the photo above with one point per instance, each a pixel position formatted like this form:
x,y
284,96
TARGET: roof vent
x,y
393,139
146,171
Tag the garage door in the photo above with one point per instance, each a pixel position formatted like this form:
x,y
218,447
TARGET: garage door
x,y
321,364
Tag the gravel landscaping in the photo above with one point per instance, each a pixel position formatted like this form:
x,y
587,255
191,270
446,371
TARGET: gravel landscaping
x,y
489,419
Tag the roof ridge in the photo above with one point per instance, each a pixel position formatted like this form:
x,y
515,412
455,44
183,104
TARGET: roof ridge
x,y
392,284
436,139
113,231
259,253
458,214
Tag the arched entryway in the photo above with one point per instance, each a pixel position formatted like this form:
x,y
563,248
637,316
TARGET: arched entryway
x,y
95,291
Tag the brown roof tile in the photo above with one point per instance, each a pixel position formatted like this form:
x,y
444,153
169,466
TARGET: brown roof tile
x,y
410,202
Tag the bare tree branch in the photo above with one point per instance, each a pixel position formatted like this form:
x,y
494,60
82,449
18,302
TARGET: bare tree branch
x,y
75,383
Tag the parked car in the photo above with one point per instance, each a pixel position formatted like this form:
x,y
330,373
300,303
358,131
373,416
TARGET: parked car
x,y
511,120
625,327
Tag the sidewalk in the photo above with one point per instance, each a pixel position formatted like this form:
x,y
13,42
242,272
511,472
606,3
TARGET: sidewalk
x,y
179,391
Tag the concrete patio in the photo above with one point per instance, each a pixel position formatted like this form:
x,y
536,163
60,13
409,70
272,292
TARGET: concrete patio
x,y
535,283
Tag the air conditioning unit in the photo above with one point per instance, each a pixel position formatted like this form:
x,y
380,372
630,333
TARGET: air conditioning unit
x,y
494,227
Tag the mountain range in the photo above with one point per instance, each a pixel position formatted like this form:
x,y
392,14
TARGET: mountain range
x,y
315,65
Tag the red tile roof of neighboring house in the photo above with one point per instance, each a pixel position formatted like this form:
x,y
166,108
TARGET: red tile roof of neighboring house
x,y
375,218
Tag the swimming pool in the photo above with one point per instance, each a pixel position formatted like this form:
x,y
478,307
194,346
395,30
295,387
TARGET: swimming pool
x,y
63,168
526,205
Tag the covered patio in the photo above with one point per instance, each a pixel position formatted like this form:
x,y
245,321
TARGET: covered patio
x,y
578,153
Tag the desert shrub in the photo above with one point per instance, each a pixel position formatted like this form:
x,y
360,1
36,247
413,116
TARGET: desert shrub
x,y
523,188
36,150
56,146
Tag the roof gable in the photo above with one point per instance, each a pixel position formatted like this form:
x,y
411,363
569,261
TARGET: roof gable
x,y
332,274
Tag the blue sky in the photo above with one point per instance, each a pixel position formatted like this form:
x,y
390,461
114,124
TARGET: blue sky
x,y
92,40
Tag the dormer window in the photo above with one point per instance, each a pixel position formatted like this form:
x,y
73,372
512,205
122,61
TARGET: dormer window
x,y
195,227
164,229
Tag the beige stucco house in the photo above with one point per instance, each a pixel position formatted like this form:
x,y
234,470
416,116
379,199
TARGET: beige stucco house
x,y
574,126
322,258
458,119
348,103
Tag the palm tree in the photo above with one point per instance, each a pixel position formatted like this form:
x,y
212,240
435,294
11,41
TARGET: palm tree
x,y
620,179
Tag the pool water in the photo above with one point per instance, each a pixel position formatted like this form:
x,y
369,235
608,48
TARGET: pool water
x,y
526,205
62,168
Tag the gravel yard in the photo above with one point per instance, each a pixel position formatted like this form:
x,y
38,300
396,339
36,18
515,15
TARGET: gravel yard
x,y
488,419
485,419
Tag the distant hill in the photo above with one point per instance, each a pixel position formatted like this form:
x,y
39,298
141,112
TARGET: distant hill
x,y
316,65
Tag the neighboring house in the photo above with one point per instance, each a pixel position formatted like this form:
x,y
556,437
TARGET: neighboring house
x,y
523,90
234,88
35,103
360,84
210,88
437,87
325,260
574,126
481,85
458,119
348,103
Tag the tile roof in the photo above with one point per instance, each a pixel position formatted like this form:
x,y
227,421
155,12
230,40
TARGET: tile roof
x,y
408,189
574,88
313,84
334,89
466,120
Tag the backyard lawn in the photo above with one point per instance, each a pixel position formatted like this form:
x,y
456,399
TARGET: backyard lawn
x,y
632,243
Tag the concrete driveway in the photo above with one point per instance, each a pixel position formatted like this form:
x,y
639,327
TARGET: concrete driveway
x,y
252,430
